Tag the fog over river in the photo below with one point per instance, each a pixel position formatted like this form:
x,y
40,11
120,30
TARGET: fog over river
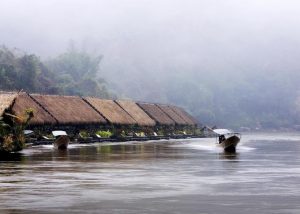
x,y
228,63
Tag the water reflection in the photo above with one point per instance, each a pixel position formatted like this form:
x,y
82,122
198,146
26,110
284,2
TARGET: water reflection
x,y
188,176
61,154
229,155
11,157
105,152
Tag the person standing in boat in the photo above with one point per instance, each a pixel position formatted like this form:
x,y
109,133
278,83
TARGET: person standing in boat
x,y
221,138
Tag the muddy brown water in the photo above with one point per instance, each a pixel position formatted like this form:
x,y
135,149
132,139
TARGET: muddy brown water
x,y
180,176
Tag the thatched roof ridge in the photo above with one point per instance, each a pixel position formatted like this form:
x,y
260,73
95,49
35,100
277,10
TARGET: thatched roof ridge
x,y
190,120
156,114
172,114
6,100
111,111
69,109
41,117
136,112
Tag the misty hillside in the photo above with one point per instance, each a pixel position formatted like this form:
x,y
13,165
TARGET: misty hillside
x,y
71,73
249,99
229,63
234,99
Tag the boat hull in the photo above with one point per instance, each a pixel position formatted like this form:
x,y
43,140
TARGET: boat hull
x,y
229,145
61,142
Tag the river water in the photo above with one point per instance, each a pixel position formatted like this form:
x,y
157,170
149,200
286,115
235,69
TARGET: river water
x,y
176,176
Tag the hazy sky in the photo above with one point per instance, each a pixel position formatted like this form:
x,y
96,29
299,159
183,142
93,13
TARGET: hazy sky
x,y
159,35
146,27
172,51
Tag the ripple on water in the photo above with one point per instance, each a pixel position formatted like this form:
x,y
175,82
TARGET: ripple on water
x,y
183,176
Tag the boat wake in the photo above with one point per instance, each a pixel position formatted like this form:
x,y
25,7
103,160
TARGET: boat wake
x,y
210,145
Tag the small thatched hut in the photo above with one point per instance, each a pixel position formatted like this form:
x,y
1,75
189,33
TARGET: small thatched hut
x,y
156,114
6,100
136,113
41,117
69,110
172,114
190,120
111,111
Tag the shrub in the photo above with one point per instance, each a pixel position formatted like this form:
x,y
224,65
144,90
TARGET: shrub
x,y
12,138
84,134
104,133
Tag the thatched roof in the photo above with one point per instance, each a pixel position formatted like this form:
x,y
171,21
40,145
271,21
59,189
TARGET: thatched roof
x,y
69,109
6,100
156,114
111,111
190,120
172,114
41,117
136,113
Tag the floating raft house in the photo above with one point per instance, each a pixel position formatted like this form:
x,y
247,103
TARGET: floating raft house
x,y
190,120
172,114
141,117
69,110
157,114
41,117
6,101
111,111
75,113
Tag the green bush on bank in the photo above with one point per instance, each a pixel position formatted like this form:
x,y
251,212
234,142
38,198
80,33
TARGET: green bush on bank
x,y
106,134
84,134
12,138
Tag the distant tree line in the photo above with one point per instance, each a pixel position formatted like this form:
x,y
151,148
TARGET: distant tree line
x,y
245,98
258,100
71,73
255,99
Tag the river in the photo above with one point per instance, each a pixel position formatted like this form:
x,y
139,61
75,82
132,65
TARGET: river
x,y
176,176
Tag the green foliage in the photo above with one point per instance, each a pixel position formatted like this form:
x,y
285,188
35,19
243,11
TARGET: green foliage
x,y
84,134
160,132
12,137
78,64
77,74
123,133
140,134
106,134
257,98
4,128
72,73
